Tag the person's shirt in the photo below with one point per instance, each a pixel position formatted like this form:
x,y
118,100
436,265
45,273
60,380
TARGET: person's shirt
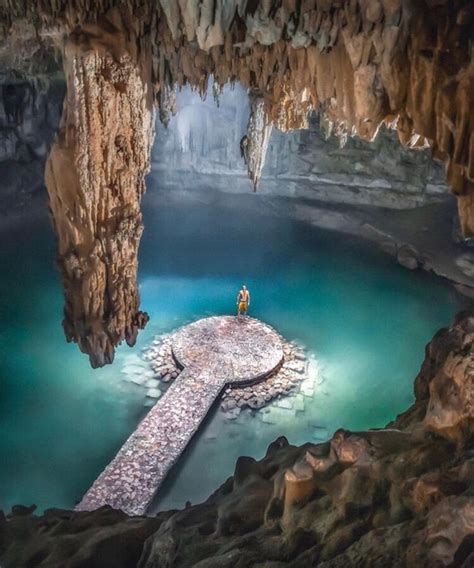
x,y
244,296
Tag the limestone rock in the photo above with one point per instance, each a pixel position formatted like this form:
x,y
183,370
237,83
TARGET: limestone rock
x,y
254,145
95,178
407,257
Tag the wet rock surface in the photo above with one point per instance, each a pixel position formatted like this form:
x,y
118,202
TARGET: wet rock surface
x,y
360,64
301,164
30,109
399,497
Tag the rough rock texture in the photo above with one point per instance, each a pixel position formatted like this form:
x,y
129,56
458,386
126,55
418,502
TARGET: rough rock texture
x,y
360,63
399,497
255,143
202,143
95,179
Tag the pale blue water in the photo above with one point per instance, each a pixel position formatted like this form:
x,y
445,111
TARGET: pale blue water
x,y
365,319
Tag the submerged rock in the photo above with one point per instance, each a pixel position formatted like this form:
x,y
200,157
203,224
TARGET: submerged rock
x,y
153,393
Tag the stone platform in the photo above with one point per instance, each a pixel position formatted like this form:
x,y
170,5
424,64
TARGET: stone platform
x,y
213,352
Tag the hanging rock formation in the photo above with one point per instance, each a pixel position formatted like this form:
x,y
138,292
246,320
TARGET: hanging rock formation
x,y
95,179
254,145
399,497
359,63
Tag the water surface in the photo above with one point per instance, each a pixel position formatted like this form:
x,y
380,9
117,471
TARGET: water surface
x,y
364,320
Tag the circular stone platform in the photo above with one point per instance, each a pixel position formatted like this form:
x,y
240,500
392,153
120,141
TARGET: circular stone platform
x,y
243,350
214,352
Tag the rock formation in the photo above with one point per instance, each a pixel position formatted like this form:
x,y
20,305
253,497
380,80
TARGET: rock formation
x,y
202,143
399,497
359,63
255,143
406,64
95,179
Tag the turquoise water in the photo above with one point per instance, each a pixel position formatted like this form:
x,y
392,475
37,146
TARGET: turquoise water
x,y
364,320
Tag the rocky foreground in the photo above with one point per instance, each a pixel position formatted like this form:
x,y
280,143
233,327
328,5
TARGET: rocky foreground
x,y
396,497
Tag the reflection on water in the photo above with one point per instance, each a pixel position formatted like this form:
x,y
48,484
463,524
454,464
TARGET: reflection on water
x,y
364,318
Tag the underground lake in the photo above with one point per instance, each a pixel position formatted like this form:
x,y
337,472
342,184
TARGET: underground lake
x,y
361,317
163,163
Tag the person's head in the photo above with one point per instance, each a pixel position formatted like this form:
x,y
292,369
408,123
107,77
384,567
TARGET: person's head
x,y
244,287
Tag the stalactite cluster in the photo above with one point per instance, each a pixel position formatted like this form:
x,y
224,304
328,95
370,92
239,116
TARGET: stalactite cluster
x,y
361,63
407,64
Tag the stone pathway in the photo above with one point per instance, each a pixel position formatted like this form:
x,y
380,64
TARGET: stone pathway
x,y
214,352
157,360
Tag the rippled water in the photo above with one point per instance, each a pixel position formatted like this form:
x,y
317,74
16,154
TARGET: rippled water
x,y
364,319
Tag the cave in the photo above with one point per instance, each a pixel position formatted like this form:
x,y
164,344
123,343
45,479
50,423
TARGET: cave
x,y
237,283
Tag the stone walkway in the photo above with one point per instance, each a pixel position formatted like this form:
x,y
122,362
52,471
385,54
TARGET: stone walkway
x,y
215,352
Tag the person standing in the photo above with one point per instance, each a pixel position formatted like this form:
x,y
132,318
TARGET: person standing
x,y
243,301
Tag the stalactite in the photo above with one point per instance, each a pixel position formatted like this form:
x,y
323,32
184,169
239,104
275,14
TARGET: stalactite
x,y
167,104
95,179
407,64
255,143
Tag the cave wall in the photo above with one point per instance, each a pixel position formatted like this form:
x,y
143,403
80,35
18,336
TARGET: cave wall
x,y
30,110
407,64
360,63
203,140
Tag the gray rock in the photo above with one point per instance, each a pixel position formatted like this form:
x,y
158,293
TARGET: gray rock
x,y
137,379
229,404
153,393
233,414
408,257
285,403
